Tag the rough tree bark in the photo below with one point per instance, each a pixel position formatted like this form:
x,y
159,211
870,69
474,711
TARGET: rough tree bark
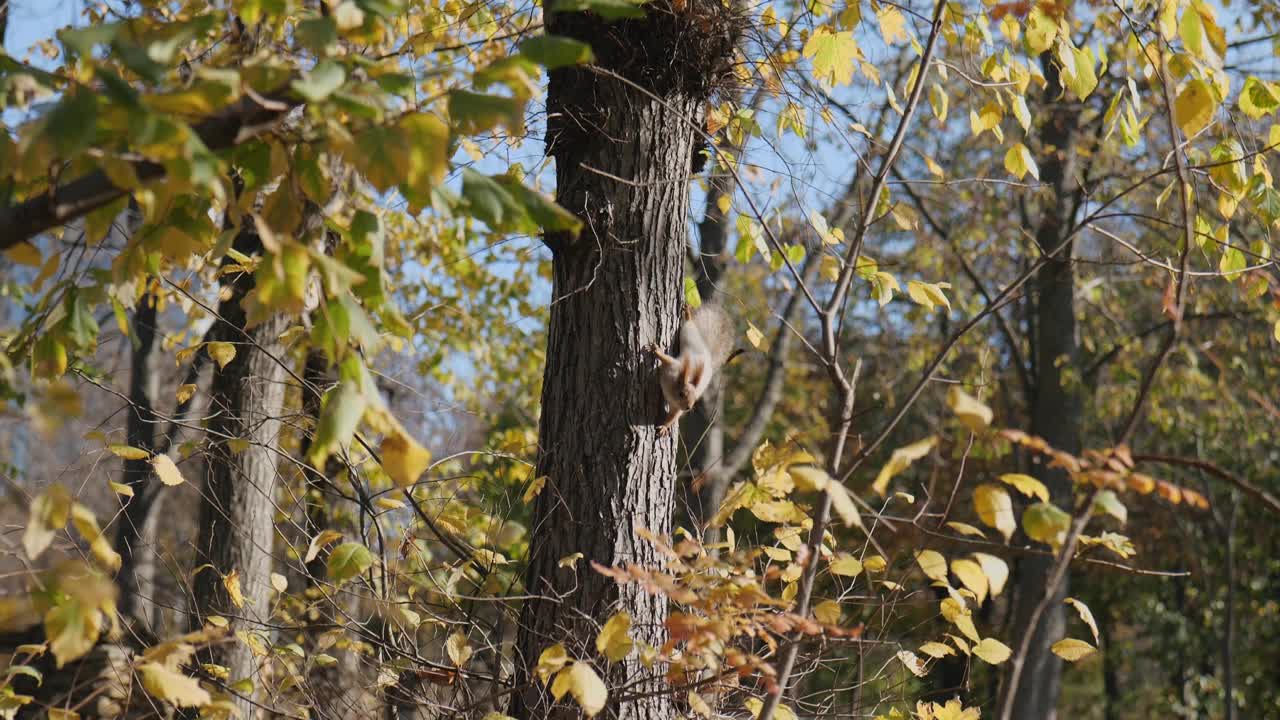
x,y
1055,406
623,156
237,509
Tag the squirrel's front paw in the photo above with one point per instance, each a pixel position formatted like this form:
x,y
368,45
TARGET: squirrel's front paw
x,y
663,431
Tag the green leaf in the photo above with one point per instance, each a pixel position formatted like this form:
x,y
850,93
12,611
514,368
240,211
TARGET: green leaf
x,y
321,81
1047,523
492,204
71,125
349,560
540,208
340,414
474,113
82,40
1109,503
317,34
553,51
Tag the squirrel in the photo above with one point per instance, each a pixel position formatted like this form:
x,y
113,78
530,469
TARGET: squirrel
x,y
706,345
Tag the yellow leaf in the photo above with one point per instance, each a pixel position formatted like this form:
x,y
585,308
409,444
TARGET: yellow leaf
x,y
403,458
587,688
121,488
534,488
1018,162
279,582
614,640
1072,650
128,453
875,563
996,570
893,26
756,338
185,392
560,686
389,503
1041,31
936,649
166,470
933,564
699,706
48,514
1026,485
995,508
550,661
929,295
458,649
1086,615
231,581
900,460
934,168
171,686
986,119
322,538
776,511
570,561
221,352
954,612
1194,107
87,525
971,576
828,612
25,254
754,706
846,565
966,529
971,411
833,55
992,650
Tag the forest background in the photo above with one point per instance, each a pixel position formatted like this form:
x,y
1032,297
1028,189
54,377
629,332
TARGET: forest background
x,y
319,405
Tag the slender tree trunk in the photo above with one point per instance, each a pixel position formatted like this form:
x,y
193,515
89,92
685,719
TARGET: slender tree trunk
x,y
622,166
1055,408
137,568
238,505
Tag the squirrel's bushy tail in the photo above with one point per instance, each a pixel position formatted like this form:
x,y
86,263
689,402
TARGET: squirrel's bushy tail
x,y
716,329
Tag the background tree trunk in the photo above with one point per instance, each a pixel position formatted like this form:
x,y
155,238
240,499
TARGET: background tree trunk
x,y
623,158
1055,407
137,567
238,504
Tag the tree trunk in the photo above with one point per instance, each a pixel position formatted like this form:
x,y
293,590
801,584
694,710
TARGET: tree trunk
x,y
622,166
137,567
238,504
1055,408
